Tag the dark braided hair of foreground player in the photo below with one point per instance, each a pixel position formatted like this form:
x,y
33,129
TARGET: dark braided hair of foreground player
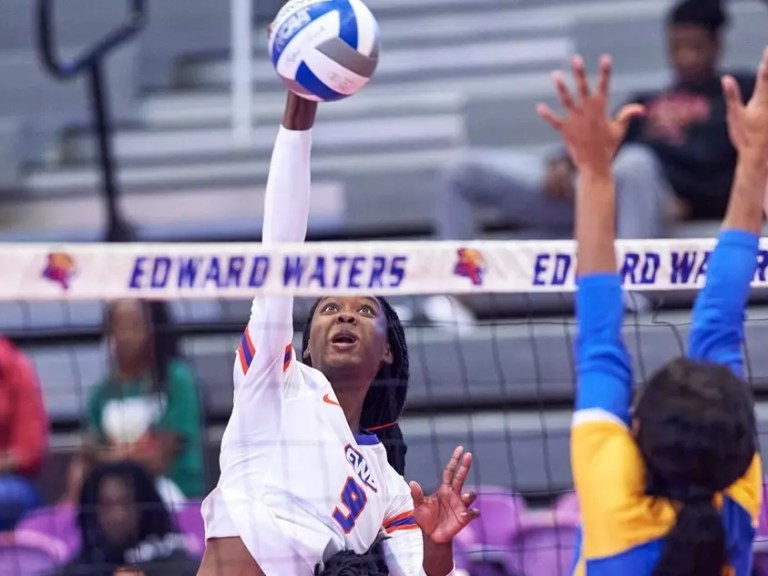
x,y
697,437
383,406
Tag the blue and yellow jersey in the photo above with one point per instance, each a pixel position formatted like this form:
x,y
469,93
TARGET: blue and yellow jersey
x,y
622,529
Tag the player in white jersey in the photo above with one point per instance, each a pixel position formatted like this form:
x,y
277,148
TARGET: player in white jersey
x,y
300,480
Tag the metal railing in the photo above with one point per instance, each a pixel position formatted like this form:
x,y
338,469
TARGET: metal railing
x,y
92,63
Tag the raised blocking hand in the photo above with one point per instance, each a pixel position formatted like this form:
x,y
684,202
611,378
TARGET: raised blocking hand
x,y
590,135
748,124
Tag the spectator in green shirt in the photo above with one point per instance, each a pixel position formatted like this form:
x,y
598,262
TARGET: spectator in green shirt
x,y
147,409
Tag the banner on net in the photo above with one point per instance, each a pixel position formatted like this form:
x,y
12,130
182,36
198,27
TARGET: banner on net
x,y
106,271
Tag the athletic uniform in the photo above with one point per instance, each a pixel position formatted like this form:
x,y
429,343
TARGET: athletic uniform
x,y
297,486
623,530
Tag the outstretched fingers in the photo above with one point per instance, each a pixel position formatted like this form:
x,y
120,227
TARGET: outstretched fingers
x,y
461,474
457,469
549,116
761,86
628,113
450,469
732,93
563,92
604,79
416,493
580,76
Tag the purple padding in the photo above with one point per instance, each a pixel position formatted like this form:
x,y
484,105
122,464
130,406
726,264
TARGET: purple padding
x,y
56,522
20,559
189,521
544,549
501,516
487,541
567,507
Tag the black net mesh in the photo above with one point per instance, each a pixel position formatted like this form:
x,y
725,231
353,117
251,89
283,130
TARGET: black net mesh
x,y
503,388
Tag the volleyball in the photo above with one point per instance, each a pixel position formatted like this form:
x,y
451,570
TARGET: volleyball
x,y
324,50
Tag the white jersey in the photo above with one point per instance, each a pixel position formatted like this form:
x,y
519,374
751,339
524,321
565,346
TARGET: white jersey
x,y
296,485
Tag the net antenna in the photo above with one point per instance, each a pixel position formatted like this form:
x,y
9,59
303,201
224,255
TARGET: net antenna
x,y
91,62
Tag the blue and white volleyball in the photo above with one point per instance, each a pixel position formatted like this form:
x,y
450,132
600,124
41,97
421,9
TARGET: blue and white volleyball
x,y
325,50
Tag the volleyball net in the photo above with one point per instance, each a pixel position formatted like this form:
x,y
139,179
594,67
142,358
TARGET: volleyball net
x,y
501,386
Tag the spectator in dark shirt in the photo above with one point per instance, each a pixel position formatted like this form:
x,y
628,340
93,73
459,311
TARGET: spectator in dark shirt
x,y
126,528
23,435
676,161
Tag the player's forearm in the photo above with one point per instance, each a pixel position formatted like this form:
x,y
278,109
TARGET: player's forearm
x,y
595,222
718,315
286,205
438,558
745,209
299,113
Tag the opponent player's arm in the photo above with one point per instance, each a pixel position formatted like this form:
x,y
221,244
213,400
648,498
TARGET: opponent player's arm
x,y
718,316
603,366
592,138
600,437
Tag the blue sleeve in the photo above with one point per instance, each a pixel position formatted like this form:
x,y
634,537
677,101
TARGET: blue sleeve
x,y
717,328
603,367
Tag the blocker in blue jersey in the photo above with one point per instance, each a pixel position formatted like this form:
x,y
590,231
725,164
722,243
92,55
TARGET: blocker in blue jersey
x,y
673,485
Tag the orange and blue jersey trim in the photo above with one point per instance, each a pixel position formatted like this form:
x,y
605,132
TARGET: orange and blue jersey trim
x,y
404,521
246,351
287,355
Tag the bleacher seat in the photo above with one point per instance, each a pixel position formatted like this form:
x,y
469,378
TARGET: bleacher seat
x,y
58,522
189,521
29,555
549,549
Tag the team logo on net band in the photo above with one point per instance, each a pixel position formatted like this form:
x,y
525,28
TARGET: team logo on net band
x,y
59,268
470,263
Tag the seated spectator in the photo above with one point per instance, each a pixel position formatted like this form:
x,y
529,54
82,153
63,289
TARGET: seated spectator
x,y
23,435
147,409
126,528
676,162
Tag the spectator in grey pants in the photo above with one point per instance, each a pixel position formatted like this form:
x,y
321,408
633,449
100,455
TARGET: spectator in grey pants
x,y
676,161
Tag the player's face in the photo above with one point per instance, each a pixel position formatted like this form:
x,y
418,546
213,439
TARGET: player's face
x,y
693,52
117,513
348,339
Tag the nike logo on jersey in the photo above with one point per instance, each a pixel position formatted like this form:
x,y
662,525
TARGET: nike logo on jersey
x,y
328,400
360,467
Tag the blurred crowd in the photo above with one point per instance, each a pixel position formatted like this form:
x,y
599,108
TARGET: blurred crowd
x,y
675,165
141,456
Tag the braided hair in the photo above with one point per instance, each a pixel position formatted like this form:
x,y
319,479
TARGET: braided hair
x,y
385,400
382,408
697,436
154,518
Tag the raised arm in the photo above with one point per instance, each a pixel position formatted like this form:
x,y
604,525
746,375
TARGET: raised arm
x,y
286,213
592,138
718,315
